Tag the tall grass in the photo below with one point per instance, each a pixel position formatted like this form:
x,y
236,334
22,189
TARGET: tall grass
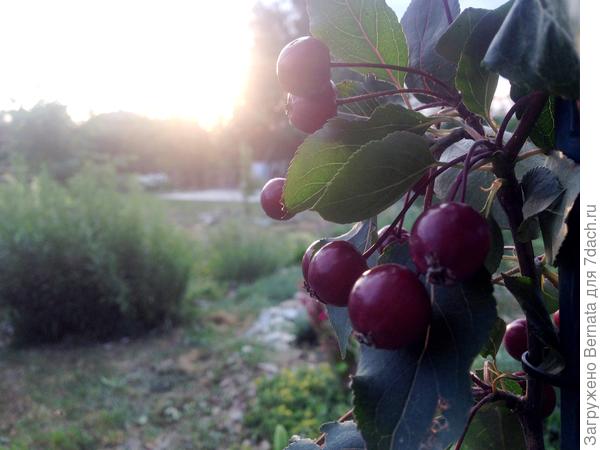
x,y
86,258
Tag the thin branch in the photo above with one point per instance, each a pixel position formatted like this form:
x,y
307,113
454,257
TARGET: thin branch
x,y
357,98
491,397
451,92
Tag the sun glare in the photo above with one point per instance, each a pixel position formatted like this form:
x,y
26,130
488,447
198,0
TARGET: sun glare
x,y
162,58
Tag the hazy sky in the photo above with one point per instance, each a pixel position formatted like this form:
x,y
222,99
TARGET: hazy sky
x,y
161,58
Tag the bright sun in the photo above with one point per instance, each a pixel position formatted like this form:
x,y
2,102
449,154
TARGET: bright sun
x,y
161,58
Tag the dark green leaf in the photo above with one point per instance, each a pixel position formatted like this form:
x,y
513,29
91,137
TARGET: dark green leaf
x,y
452,42
351,88
543,132
323,153
358,31
375,177
362,235
541,187
424,23
553,220
495,427
536,49
401,396
303,444
476,83
529,297
529,230
494,341
550,294
494,256
342,436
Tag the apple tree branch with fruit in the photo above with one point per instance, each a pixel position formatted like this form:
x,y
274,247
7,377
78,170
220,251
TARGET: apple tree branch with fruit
x,y
417,130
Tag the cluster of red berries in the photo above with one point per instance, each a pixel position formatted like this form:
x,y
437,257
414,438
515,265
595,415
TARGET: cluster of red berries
x,y
304,71
389,306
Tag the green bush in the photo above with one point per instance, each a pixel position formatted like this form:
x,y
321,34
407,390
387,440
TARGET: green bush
x,y
299,400
238,253
86,259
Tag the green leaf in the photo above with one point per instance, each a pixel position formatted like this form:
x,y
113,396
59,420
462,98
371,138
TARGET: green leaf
x,y
351,88
553,220
529,230
529,297
543,132
342,436
494,256
361,236
359,31
536,49
495,427
494,341
401,396
323,153
452,42
477,84
541,187
550,294
375,177
424,22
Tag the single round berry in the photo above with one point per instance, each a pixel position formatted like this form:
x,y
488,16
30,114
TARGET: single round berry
x,y
309,114
393,237
515,338
548,400
556,319
449,242
308,255
333,271
271,200
303,67
389,307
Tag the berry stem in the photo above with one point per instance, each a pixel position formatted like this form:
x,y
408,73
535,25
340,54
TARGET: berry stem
x,y
371,95
491,397
400,217
425,181
468,167
452,92
473,156
432,105
536,103
514,109
448,12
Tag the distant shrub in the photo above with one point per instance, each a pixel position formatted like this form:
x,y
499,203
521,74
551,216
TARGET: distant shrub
x,y
299,400
86,259
240,253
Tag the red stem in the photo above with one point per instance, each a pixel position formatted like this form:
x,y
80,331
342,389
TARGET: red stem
x,y
448,12
514,109
478,157
432,105
408,203
487,399
357,98
424,74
